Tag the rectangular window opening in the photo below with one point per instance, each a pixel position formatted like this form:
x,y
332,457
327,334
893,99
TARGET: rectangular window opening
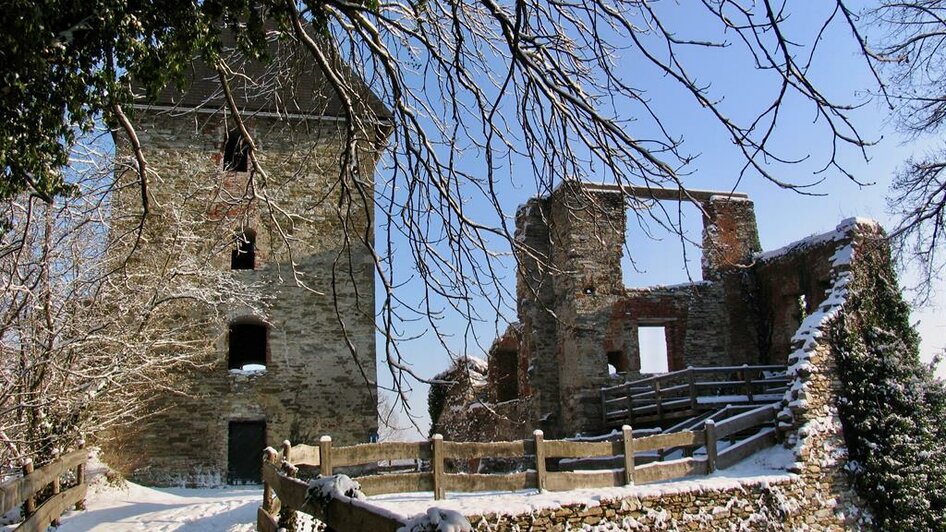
x,y
653,349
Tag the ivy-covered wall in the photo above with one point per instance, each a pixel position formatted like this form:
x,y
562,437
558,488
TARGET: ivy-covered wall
x,y
892,408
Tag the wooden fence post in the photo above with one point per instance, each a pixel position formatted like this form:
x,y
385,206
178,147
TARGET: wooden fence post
x,y
80,476
286,451
710,430
604,408
629,418
325,455
30,503
269,456
628,454
539,459
660,408
436,466
746,376
691,384
57,485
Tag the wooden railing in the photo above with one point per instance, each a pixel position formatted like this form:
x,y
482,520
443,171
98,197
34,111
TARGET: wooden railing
x,y
750,431
689,392
23,491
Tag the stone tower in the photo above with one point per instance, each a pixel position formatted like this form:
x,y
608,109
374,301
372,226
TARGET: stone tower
x,y
293,352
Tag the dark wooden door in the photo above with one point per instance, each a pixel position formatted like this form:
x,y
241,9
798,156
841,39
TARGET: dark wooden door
x,y
245,451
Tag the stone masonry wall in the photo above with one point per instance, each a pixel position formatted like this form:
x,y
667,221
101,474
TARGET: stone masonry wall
x,y
314,383
814,494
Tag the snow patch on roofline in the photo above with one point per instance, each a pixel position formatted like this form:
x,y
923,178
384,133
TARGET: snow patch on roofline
x,y
841,232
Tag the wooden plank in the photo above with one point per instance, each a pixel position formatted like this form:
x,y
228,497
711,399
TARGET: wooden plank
x,y
582,449
502,449
396,483
303,454
657,471
676,414
354,515
731,369
368,453
474,482
291,491
745,420
52,509
14,492
565,481
740,451
265,522
663,441
342,515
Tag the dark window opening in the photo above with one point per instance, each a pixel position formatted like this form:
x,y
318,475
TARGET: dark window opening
x,y
247,346
506,364
653,349
235,152
244,256
617,362
246,441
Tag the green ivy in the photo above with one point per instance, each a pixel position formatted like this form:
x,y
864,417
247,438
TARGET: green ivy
x,y
892,407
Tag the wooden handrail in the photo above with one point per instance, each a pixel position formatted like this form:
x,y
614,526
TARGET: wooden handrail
x,y
24,489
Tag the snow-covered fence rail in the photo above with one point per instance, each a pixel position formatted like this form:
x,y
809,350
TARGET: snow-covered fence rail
x,y
688,392
23,491
641,460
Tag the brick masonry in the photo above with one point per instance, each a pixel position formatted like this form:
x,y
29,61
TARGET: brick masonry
x,y
320,372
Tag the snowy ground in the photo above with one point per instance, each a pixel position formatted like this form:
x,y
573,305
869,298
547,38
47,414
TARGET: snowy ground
x,y
135,507
132,507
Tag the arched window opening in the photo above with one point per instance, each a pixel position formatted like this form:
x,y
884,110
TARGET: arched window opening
x,y
244,256
235,152
247,346
617,362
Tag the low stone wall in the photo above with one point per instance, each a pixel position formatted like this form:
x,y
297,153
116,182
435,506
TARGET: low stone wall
x,y
771,504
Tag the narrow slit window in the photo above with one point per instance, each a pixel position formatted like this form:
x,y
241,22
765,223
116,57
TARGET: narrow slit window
x,y
243,256
235,152
653,349
247,346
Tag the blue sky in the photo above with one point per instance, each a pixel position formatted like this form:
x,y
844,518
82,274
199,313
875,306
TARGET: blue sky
x,y
783,216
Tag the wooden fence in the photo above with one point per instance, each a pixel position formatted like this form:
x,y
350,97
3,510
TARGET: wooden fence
x,y
23,491
751,430
690,392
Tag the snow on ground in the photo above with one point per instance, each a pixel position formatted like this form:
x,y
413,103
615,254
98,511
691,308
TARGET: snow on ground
x,y
133,507
766,466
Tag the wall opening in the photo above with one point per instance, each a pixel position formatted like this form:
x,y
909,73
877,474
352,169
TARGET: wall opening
x,y
617,362
235,152
653,349
243,257
245,443
662,244
247,345
507,374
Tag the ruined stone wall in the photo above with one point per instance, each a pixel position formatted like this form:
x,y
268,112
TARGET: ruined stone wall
x,y
587,233
814,493
313,383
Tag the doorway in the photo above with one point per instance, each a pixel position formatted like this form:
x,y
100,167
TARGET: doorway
x,y
246,442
